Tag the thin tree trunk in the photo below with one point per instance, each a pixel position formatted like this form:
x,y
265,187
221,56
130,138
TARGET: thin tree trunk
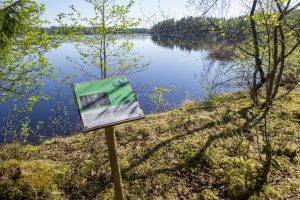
x,y
258,62
263,176
104,41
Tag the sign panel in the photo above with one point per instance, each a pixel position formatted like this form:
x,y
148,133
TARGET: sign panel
x,y
106,102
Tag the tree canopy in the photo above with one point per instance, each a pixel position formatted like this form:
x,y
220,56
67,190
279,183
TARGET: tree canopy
x,y
109,49
22,63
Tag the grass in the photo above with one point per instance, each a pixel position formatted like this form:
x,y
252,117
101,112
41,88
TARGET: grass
x,y
194,152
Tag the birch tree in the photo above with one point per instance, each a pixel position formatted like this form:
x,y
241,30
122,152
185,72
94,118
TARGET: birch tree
x,y
109,50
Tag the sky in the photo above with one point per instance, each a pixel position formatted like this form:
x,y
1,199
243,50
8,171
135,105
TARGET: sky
x,y
151,11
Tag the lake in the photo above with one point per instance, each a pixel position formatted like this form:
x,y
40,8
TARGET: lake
x,y
190,70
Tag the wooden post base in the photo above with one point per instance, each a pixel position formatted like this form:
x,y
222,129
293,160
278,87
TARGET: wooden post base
x,y
114,162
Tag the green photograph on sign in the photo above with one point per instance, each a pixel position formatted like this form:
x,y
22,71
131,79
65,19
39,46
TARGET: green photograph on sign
x,y
106,102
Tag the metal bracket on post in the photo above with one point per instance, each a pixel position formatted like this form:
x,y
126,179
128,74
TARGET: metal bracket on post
x,y
114,162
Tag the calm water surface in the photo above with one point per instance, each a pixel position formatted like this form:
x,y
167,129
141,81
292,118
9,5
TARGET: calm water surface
x,y
169,66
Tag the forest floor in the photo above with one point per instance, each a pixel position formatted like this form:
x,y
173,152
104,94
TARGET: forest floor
x,y
193,152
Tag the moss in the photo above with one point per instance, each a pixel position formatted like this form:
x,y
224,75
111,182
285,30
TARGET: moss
x,y
208,194
186,149
239,176
270,192
144,132
236,187
28,180
290,151
86,167
211,157
60,174
194,152
18,151
138,188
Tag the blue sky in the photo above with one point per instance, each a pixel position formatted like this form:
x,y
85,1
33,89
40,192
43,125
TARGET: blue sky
x,y
154,9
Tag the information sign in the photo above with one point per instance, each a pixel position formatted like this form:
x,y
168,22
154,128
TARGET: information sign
x,y
107,102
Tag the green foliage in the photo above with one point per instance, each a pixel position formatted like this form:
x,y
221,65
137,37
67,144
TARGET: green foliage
x,y
9,21
109,48
25,129
198,28
86,30
270,56
157,96
274,33
22,61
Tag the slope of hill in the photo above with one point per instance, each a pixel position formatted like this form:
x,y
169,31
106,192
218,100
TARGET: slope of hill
x,y
194,152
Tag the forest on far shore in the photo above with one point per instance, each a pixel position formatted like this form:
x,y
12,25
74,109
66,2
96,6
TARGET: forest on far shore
x,y
184,29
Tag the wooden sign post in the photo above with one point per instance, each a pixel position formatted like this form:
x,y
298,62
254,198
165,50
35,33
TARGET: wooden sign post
x,y
103,104
114,161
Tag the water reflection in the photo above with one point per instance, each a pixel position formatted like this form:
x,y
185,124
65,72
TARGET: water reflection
x,y
172,63
187,43
55,116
